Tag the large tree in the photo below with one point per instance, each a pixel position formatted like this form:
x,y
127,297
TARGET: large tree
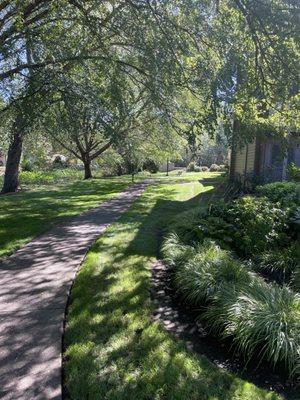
x,y
197,45
42,40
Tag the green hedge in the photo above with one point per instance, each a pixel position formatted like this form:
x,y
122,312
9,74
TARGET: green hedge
x,y
285,193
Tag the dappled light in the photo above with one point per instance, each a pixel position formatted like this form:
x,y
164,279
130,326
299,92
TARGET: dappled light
x,y
114,349
25,215
34,287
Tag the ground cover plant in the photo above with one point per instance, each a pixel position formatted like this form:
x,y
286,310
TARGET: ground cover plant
x,y
239,262
114,350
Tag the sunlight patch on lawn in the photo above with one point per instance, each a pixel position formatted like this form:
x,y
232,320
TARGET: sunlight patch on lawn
x,y
115,351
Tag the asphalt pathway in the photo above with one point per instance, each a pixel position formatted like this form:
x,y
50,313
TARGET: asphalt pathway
x,y
34,286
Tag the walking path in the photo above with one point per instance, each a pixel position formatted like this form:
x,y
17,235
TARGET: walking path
x,y
34,287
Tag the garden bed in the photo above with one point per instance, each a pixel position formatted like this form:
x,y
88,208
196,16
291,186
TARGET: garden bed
x,y
182,321
235,267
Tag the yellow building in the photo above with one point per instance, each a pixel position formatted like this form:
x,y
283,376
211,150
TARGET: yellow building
x,y
265,159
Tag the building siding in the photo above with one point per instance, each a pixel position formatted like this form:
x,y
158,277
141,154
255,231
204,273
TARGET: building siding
x,y
251,158
245,159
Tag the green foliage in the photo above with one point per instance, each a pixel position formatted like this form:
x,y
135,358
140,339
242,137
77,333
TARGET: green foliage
x,y
212,149
111,163
27,165
285,193
216,227
38,149
214,168
114,348
248,225
176,253
279,263
191,167
48,177
294,172
151,166
296,280
257,223
262,319
265,319
186,226
296,219
59,162
207,272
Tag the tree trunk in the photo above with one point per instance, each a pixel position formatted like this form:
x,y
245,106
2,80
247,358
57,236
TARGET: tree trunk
x,y
11,177
87,170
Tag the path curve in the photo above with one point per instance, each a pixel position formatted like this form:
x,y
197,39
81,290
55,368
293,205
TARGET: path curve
x,y
34,286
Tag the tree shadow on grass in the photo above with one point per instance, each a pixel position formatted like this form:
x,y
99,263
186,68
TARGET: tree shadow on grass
x,y
26,215
115,350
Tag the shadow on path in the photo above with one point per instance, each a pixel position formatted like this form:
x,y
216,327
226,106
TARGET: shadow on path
x,y
34,286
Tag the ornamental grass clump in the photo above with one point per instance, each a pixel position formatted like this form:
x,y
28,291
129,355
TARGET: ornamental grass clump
x,y
265,321
262,319
174,252
210,269
279,264
186,226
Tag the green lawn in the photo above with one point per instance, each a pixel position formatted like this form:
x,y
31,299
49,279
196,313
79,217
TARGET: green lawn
x,y
115,351
27,214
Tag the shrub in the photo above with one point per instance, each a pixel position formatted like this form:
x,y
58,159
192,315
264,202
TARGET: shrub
x,y
285,193
258,224
49,177
204,168
214,168
295,220
151,166
197,168
296,280
27,166
59,161
215,227
186,227
294,172
191,167
35,178
249,225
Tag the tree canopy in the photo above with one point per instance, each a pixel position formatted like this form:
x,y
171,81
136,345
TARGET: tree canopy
x,y
112,67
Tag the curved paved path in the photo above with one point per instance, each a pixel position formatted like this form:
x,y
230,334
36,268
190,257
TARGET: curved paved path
x,y
34,287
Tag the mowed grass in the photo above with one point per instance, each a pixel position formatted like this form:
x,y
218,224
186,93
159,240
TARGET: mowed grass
x,y
114,350
26,214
